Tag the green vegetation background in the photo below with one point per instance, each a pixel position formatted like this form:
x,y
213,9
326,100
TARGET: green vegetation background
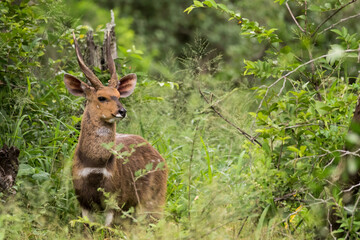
x,y
191,57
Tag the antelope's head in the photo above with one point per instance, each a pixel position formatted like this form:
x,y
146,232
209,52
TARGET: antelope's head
x,y
102,101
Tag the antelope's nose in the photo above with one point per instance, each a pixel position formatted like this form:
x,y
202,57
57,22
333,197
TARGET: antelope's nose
x,y
122,112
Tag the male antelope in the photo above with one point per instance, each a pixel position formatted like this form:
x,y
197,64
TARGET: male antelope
x,y
94,166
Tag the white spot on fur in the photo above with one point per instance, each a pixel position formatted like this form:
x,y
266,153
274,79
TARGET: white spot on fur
x,y
86,213
88,170
97,106
103,131
109,218
111,120
9,178
122,135
83,87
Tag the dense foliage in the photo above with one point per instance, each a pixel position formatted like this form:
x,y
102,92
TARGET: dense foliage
x,y
251,114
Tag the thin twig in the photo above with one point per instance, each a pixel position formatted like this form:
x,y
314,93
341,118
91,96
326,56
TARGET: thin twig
x,y
242,226
329,17
293,17
280,155
135,188
302,125
341,20
332,160
330,224
248,136
297,68
282,88
191,158
214,229
349,189
305,9
352,217
286,196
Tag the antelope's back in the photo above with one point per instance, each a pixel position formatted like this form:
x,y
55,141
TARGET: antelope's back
x,y
137,155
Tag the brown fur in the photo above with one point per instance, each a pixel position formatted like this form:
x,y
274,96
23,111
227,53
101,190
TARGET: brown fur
x,y
96,167
147,192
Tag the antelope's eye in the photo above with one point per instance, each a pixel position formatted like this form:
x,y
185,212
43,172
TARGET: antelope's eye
x,y
101,99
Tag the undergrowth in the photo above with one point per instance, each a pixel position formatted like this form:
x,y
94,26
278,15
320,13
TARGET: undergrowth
x,y
194,109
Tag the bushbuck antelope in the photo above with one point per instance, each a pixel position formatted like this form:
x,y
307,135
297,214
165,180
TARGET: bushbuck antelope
x,y
96,167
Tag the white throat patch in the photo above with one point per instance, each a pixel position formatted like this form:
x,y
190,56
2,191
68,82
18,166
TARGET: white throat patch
x,y
88,170
103,131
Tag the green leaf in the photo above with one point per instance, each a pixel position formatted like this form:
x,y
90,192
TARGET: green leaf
x,y
315,8
223,7
261,223
321,107
41,176
189,9
337,31
25,169
160,165
293,149
210,3
198,4
149,166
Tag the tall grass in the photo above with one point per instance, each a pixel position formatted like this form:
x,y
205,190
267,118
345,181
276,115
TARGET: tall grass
x,y
218,186
209,196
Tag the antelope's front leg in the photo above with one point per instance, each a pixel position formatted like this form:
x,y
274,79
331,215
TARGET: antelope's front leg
x,y
86,213
109,216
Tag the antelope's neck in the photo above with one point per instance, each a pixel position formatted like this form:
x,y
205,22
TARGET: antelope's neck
x,y
93,134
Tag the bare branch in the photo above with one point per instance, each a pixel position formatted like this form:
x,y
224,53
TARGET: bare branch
x,y
329,17
342,20
242,226
332,160
293,17
282,88
352,216
349,189
330,225
286,196
214,229
248,136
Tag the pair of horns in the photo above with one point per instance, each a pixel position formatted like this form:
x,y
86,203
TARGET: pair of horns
x,y
95,82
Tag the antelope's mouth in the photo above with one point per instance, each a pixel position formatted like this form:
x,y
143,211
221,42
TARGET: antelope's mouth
x,y
118,116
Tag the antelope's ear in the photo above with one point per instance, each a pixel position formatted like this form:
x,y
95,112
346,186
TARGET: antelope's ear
x,y
75,86
126,85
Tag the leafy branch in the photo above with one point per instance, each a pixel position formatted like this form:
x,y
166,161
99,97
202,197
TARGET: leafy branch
x,y
249,28
329,17
334,54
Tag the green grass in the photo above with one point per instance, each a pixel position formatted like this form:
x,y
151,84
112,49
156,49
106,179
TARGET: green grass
x,y
217,181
